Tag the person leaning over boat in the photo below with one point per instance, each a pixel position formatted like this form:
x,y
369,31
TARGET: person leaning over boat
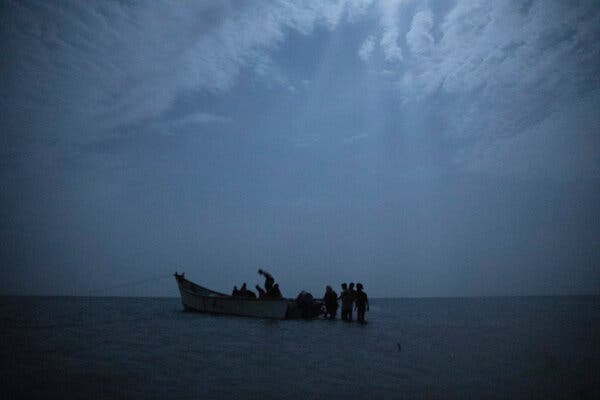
x,y
362,303
269,280
331,303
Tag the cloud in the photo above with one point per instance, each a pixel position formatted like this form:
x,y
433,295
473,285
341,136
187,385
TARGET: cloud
x,y
186,123
387,35
495,70
389,44
366,49
419,38
389,13
84,69
502,75
201,118
271,74
496,44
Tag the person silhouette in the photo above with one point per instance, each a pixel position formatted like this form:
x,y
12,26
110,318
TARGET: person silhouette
x,y
245,292
261,292
275,292
362,303
331,302
347,298
269,280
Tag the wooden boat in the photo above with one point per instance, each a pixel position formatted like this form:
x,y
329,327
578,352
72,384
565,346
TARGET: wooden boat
x,y
198,298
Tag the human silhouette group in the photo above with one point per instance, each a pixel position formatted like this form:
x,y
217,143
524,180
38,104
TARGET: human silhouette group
x,y
271,290
352,299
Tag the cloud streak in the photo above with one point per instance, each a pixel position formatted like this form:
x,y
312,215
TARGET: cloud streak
x,y
509,83
118,63
496,69
366,49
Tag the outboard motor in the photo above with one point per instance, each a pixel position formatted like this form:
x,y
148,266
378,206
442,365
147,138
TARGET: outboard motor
x,y
304,302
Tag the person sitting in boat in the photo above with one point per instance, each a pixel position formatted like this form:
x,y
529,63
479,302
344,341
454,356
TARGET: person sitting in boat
x,y
261,292
269,280
331,302
244,292
362,303
275,293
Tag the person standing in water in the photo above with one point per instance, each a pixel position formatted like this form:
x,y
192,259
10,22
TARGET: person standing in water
x,y
344,290
352,297
331,302
347,298
362,303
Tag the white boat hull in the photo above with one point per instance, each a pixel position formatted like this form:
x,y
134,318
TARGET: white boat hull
x,y
197,298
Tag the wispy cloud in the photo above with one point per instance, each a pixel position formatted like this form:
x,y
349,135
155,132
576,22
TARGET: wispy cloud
x,y
79,71
419,38
201,118
188,122
390,12
118,63
507,85
476,50
389,44
366,49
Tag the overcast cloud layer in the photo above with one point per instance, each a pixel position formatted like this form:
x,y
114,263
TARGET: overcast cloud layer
x,y
424,148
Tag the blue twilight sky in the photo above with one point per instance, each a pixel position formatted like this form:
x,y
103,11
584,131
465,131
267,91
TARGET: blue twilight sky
x,y
425,148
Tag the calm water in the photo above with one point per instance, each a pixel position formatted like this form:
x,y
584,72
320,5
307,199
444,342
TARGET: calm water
x,y
535,347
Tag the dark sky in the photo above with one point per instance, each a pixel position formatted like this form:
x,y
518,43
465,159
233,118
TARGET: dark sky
x,y
424,148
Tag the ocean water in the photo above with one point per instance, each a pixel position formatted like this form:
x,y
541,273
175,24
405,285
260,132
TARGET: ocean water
x,y
511,347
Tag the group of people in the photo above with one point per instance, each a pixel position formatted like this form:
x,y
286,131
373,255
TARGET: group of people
x,y
271,289
243,292
351,298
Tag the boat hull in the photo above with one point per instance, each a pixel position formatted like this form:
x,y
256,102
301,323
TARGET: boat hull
x,y
197,298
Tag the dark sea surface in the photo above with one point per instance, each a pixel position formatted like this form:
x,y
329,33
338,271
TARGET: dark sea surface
x,y
503,347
